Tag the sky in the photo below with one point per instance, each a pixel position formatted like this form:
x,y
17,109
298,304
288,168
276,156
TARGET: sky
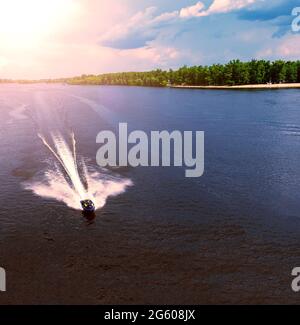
x,y
63,38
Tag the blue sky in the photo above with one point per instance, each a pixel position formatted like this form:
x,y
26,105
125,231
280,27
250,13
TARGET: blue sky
x,y
209,32
71,37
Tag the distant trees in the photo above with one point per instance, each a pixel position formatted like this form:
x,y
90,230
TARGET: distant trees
x,y
157,78
5,81
233,73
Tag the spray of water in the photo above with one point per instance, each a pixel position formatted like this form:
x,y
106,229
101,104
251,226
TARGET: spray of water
x,y
71,190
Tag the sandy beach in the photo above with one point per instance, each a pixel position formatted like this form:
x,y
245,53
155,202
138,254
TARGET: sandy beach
x,y
258,86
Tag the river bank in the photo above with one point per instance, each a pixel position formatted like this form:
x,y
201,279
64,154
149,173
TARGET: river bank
x,y
258,86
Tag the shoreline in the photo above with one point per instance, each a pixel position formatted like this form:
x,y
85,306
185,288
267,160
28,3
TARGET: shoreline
x,y
258,86
238,87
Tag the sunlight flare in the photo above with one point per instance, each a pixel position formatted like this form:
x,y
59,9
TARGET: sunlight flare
x,y
23,22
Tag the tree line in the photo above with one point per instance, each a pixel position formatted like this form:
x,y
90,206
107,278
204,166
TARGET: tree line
x,y
233,73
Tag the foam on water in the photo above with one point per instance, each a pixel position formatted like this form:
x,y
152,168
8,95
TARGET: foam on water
x,y
66,184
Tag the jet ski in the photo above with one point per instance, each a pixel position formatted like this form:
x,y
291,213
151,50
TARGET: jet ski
x,y
88,206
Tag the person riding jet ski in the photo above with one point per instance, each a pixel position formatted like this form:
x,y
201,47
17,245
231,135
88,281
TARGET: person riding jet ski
x,y
88,206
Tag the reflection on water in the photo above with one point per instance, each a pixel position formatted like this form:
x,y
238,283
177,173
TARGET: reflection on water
x,y
89,216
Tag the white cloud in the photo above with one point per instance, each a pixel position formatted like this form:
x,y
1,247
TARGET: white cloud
x,y
216,7
192,11
145,25
225,6
288,48
134,32
156,55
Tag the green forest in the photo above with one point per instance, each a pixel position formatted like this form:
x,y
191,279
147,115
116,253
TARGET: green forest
x,y
233,73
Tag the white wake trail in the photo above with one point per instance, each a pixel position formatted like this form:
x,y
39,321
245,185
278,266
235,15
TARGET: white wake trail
x,y
74,148
54,185
69,164
51,150
68,179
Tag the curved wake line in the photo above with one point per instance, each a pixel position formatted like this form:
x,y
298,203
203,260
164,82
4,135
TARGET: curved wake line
x,y
54,185
74,149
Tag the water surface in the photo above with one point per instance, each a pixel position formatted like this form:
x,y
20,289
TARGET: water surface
x,y
231,236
